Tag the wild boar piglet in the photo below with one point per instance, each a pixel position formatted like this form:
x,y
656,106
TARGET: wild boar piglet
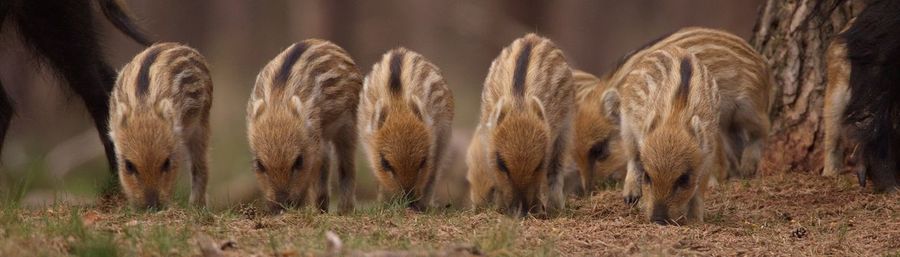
x,y
596,148
518,150
405,116
159,118
302,116
745,86
670,109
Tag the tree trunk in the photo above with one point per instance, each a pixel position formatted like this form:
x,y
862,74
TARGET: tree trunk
x,y
793,37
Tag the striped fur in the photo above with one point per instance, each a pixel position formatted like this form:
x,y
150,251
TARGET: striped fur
x,y
669,111
405,117
526,112
303,107
746,95
596,147
585,82
837,95
746,84
159,117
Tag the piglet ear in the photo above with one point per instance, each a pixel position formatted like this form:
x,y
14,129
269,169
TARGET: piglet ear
x,y
297,105
610,101
305,111
696,130
166,109
537,107
256,108
498,114
418,109
378,116
119,115
652,121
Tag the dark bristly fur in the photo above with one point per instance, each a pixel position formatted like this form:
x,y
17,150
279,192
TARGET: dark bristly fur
x,y
685,88
296,51
873,112
395,83
116,14
143,83
521,70
63,34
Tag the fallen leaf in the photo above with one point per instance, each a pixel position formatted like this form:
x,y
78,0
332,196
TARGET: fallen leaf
x,y
88,219
287,254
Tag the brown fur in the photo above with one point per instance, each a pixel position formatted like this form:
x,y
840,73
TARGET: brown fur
x,y
524,128
159,117
837,95
746,89
670,106
596,148
297,115
406,132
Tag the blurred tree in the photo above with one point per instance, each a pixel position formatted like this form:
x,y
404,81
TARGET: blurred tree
x,y
793,36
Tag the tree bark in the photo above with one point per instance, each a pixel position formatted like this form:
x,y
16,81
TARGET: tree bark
x,y
793,37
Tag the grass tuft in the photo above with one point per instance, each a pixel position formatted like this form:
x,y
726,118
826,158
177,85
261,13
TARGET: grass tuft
x,y
500,240
96,246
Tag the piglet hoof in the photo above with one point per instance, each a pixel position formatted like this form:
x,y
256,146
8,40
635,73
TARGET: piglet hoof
x,y
198,201
632,194
747,170
632,199
830,171
417,207
345,208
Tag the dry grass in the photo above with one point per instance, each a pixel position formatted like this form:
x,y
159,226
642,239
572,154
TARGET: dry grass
x,y
793,214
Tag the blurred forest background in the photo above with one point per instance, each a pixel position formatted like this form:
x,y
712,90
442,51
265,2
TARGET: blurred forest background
x,y
52,152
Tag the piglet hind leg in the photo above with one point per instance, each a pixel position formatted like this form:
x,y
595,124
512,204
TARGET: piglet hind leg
x,y
756,126
322,199
198,142
344,148
557,200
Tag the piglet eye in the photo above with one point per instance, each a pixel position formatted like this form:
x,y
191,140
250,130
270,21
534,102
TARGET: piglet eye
x,y
385,165
502,164
130,168
598,152
258,166
422,164
298,163
683,181
539,167
167,165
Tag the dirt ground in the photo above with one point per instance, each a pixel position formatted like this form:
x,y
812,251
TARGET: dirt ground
x,y
792,214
